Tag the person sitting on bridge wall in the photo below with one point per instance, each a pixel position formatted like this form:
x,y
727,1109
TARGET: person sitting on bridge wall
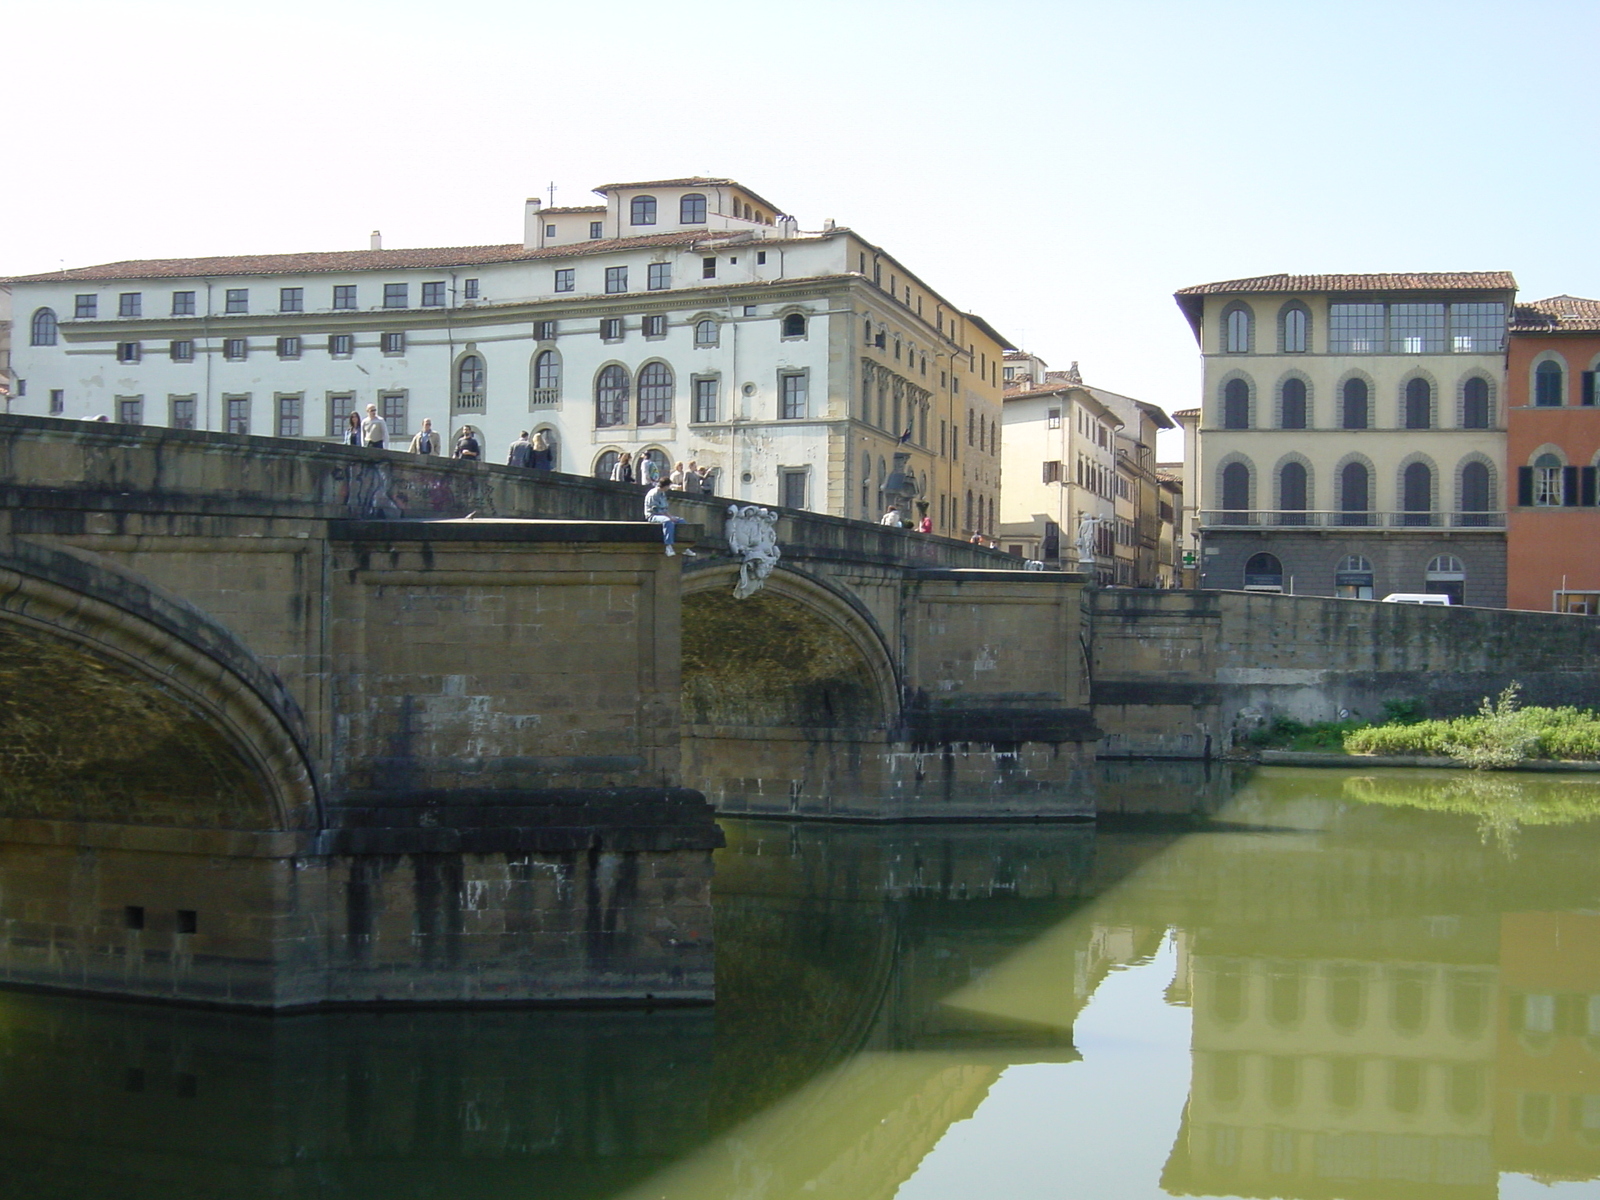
x,y
426,441
374,430
656,510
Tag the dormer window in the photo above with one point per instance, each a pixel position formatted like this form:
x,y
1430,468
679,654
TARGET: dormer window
x,y
642,211
692,209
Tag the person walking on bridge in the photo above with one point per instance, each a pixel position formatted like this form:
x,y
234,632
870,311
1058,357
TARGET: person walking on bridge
x,y
374,430
521,452
426,440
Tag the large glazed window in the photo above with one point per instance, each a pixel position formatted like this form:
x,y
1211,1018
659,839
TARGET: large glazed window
x,y
1296,323
44,327
1355,329
1236,330
692,209
642,211
655,394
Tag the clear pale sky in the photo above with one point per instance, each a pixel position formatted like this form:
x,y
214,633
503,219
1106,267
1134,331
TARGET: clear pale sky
x,y
1060,168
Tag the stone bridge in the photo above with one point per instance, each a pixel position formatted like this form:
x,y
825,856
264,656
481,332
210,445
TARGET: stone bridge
x,y
290,723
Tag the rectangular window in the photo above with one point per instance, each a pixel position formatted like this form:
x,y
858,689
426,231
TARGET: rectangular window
x,y
660,276
549,231
1355,329
393,407
344,295
291,299
238,300
129,304
655,326
238,413
566,279
127,352
611,329
469,289
792,390
596,229
1052,472
394,343
181,350
289,347
181,409
616,280
1478,328
792,485
708,268
1053,418
544,331
183,304
290,412
130,410
396,295
1416,329
235,349
433,294
340,406
761,258
85,306
58,401
341,345
705,399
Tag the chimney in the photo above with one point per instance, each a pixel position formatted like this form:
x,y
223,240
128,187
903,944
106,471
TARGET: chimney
x,y
532,226
377,240
827,226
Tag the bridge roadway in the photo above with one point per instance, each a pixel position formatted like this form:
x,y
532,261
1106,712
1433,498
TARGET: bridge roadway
x,y
290,724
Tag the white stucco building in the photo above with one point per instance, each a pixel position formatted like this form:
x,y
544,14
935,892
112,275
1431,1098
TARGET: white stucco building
x,y
684,319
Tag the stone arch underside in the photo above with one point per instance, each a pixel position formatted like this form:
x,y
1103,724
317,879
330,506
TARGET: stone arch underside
x,y
140,713
780,659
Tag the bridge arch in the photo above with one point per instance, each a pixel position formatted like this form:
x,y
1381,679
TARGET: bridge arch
x,y
798,653
122,704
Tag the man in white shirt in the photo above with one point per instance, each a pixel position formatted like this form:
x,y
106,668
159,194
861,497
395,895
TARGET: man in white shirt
x,y
374,431
892,517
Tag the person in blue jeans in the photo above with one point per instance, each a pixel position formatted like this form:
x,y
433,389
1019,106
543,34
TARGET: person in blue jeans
x,y
655,509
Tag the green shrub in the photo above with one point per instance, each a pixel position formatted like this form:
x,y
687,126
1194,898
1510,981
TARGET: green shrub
x,y
1500,734
1402,712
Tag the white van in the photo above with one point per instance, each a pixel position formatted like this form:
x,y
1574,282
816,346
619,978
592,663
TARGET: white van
x,y
1416,598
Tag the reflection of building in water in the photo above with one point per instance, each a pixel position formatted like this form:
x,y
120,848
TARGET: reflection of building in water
x,y
1324,1076
1547,1107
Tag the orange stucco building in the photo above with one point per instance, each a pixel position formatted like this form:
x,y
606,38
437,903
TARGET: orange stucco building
x,y
1552,449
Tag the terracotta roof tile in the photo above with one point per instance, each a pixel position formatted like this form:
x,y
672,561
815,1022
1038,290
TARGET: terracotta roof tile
x,y
353,260
575,208
1558,314
1396,282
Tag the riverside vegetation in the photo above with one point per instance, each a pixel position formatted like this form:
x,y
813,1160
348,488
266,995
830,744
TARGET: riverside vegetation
x,y
1500,735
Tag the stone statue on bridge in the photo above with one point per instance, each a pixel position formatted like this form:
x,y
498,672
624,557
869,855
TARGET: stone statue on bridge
x,y
752,533
1088,527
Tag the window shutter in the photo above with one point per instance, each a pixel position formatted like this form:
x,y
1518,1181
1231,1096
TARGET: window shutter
x,y
1569,487
1525,486
1588,389
1586,488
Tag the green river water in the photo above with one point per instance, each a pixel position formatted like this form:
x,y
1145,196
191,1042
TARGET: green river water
x,y
1274,982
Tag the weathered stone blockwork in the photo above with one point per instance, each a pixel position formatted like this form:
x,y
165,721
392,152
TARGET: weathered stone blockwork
x,y
1181,674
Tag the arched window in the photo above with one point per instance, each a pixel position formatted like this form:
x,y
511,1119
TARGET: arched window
x,y
1355,494
469,382
1346,998
1236,330
1263,573
1547,491
1416,494
794,326
1295,323
706,333
692,209
1405,1085
655,394
1285,996
1236,494
1475,403
1292,494
1419,404
1477,494
1547,384
1228,995
44,327
611,397
1355,404
1352,578
1408,1003
1236,404
642,211
1447,576
605,463
547,375
1294,403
